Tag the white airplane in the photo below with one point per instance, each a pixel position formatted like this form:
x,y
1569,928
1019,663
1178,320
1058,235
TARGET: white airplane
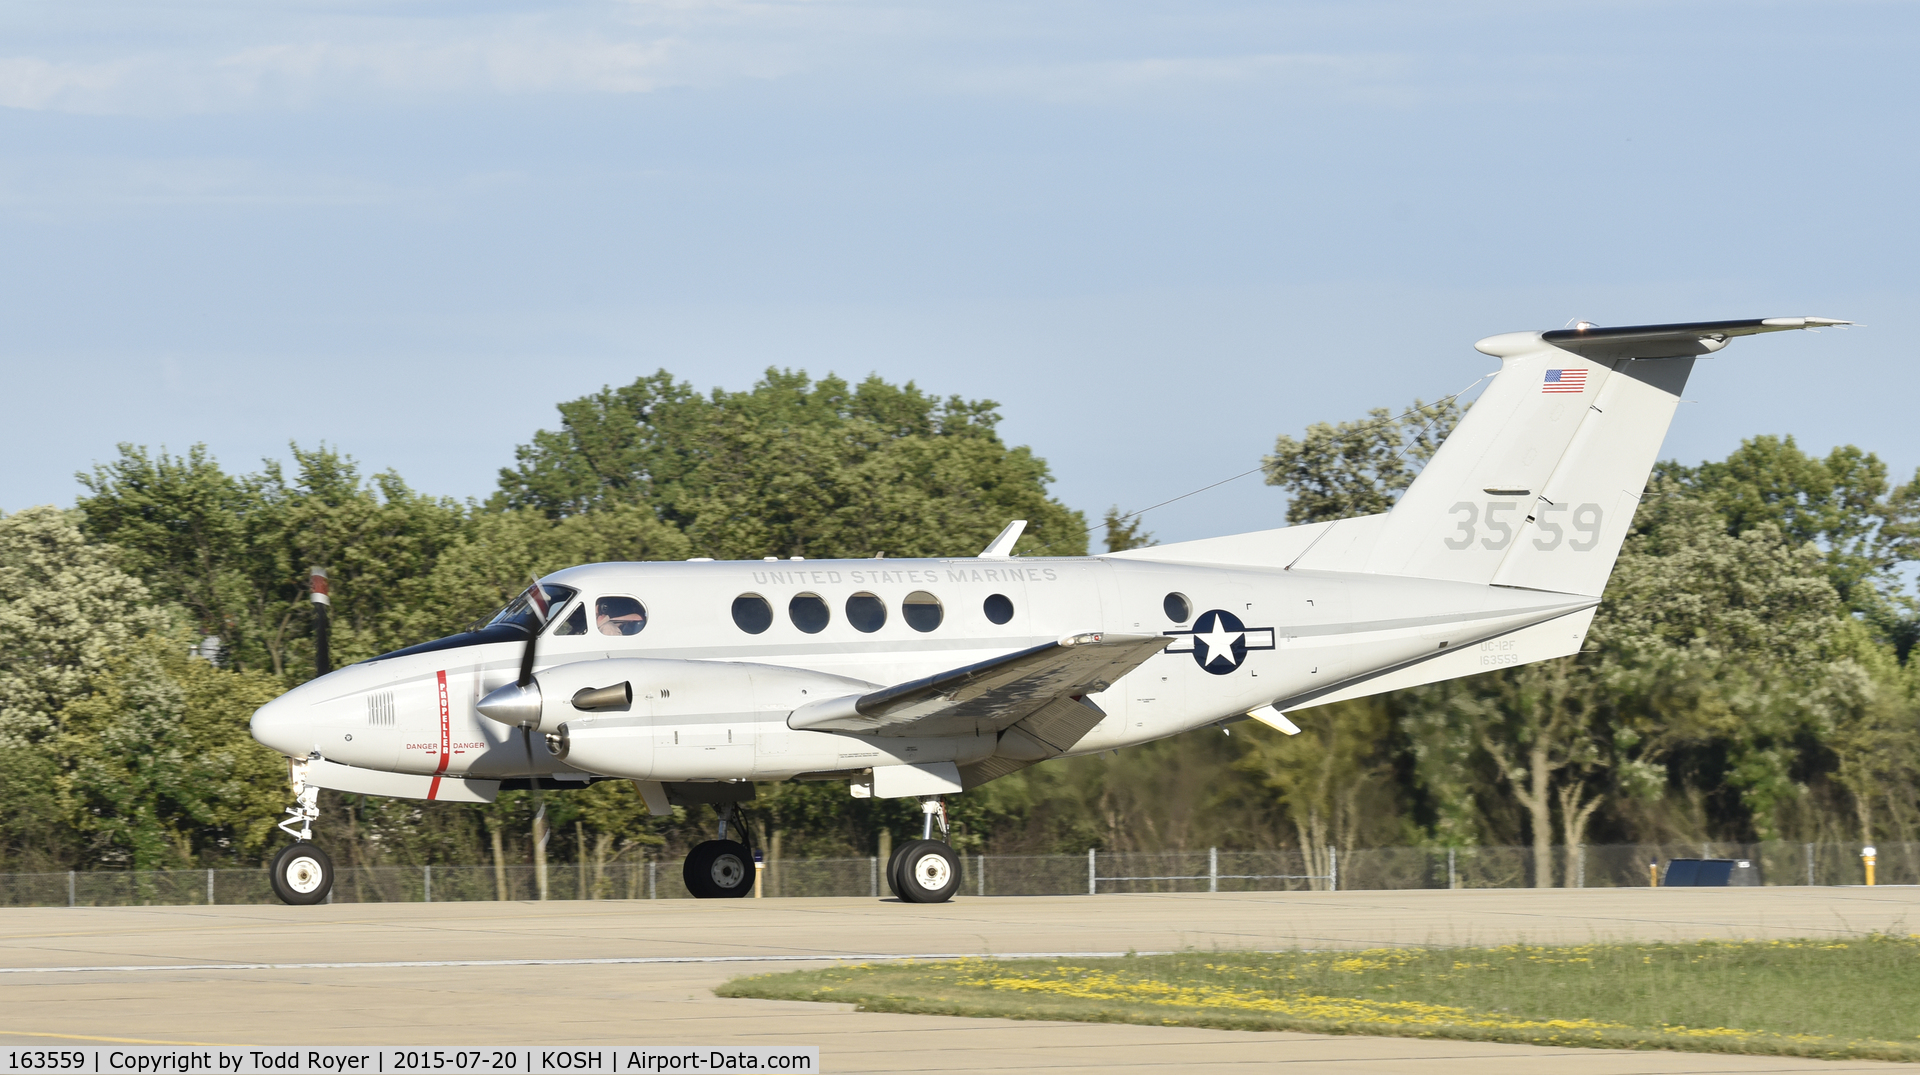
x,y
925,678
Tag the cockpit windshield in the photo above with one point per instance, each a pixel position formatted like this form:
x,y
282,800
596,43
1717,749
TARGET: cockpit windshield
x,y
520,612
510,624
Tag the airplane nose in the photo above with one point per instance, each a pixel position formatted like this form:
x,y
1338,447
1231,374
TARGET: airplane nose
x,y
285,725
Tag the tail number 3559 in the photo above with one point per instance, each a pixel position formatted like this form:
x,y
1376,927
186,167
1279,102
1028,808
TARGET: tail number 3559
x,y
1500,520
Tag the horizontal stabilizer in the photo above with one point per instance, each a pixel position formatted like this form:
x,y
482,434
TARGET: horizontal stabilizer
x,y
1670,341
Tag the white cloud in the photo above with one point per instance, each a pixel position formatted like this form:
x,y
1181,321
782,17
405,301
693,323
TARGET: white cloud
x,y
256,59
30,82
222,56
1365,75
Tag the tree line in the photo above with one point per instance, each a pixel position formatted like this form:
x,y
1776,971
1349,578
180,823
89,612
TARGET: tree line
x,y
1747,676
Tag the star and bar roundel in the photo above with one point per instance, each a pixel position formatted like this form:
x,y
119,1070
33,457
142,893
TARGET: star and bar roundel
x,y
1219,642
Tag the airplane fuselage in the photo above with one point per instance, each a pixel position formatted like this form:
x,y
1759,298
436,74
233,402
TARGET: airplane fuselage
x,y
711,700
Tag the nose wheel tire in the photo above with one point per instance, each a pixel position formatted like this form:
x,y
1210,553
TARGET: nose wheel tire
x,y
928,872
302,874
718,869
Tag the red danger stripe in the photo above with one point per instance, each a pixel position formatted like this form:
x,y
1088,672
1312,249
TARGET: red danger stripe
x,y
446,739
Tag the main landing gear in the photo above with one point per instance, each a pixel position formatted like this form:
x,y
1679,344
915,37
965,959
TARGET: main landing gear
x,y
302,873
721,868
925,870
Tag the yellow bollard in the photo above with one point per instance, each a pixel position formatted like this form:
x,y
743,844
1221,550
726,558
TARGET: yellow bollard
x,y
1653,875
1867,856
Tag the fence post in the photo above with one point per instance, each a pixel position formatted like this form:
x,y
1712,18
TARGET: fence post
x,y
1093,877
1333,869
69,888
209,888
980,872
426,883
1809,865
1213,869
653,875
1453,879
873,874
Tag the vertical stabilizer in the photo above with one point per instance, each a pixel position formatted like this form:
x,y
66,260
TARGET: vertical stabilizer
x,y
1537,486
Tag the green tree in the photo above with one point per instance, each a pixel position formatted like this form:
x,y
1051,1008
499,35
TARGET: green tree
x,y
1706,637
621,826
1338,471
1333,779
67,615
1842,503
184,527
122,750
235,552
1125,531
792,467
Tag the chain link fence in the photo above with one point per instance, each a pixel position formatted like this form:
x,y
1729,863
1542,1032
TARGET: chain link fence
x,y
1095,872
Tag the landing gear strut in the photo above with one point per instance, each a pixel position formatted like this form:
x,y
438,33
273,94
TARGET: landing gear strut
x,y
926,870
302,873
720,868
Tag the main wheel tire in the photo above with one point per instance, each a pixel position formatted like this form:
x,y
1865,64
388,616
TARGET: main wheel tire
x,y
894,884
928,873
302,874
718,870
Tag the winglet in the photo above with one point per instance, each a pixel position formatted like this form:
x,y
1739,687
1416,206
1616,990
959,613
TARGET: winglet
x,y
1001,547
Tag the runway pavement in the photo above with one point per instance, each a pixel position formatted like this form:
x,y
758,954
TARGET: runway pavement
x,y
642,972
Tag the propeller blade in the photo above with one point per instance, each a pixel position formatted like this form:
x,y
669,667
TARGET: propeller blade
x,y
537,604
526,660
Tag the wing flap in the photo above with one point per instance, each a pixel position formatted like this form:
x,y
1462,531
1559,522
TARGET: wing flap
x,y
990,695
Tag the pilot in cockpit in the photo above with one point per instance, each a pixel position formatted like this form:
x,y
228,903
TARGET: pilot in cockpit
x,y
620,616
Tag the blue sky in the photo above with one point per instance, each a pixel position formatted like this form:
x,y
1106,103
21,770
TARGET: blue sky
x,y
1158,234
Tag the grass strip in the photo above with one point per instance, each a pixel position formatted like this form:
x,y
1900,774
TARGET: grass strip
x,y
1838,999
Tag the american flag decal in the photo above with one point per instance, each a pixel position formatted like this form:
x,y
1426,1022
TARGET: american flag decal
x,y
1565,381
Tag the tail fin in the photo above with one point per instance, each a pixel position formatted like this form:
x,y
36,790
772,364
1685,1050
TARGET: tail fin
x,y
1537,486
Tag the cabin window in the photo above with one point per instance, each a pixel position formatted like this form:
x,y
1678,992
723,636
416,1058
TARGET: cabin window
x,y
575,623
998,607
809,613
1179,609
866,612
751,613
922,611
619,616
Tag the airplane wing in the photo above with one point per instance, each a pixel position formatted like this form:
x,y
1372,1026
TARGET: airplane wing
x,y
990,695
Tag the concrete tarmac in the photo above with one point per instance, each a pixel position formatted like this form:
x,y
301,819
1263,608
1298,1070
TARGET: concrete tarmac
x,y
468,974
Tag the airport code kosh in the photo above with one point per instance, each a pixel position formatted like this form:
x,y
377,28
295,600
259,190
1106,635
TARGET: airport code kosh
x,y
411,1060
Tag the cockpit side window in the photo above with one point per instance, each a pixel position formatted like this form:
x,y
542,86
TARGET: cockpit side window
x,y
619,616
575,623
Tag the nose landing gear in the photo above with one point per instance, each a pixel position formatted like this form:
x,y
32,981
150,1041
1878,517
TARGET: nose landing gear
x,y
302,874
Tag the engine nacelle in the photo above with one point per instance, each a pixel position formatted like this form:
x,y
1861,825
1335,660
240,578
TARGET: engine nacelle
x,y
635,691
